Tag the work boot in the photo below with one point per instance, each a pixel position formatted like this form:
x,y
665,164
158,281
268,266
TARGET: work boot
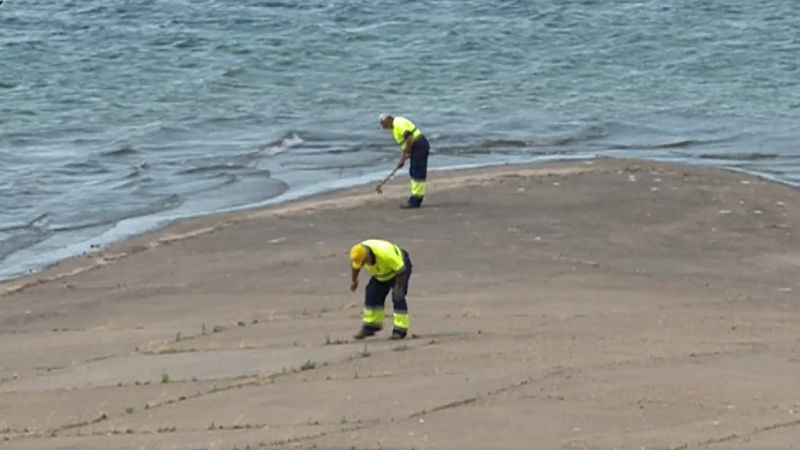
x,y
398,334
365,333
414,202
405,205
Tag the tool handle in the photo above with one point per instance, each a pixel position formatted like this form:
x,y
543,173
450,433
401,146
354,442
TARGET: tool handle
x,y
388,177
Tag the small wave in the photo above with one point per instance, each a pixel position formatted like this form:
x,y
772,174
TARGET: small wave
x,y
124,150
276,148
38,222
84,168
681,143
236,49
24,235
287,5
137,170
345,150
581,136
133,180
26,112
125,185
29,44
94,10
506,143
540,146
189,42
19,241
755,156
563,139
481,148
165,203
190,189
227,178
535,145
211,168
233,72
81,141
7,85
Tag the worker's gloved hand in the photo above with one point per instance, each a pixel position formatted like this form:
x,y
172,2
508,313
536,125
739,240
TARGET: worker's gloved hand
x,y
400,164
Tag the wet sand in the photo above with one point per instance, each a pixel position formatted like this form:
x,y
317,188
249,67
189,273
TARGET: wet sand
x,y
601,304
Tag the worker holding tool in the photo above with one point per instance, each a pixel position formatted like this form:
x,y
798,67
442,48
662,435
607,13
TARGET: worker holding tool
x,y
390,267
415,147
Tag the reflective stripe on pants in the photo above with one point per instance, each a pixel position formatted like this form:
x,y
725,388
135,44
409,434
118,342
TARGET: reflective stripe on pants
x,y
373,318
401,320
417,188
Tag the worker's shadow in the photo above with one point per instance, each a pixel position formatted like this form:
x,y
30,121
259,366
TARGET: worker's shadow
x,y
433,337
446,205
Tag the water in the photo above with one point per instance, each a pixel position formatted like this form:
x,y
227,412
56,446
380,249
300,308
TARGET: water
x,y
117,116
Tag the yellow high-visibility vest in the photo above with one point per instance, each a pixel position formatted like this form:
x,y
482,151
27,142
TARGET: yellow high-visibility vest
x,y
388,259
401,125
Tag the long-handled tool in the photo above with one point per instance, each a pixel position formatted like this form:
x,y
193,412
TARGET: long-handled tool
x,y
385,180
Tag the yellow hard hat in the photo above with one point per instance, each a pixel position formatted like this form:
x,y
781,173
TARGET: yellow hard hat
x,y
357,255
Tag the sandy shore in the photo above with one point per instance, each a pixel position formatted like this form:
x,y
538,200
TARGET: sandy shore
x,y
605,304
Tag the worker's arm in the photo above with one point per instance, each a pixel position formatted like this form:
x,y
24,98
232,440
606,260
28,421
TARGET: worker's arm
x,y
354,279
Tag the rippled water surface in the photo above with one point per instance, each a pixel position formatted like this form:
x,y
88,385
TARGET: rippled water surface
x,y
119,115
